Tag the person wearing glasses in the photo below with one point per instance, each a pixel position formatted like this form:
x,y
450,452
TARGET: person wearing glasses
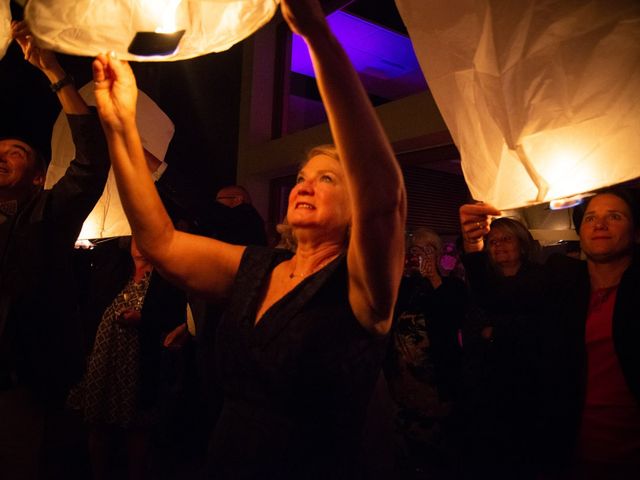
x,y
500,374
588,336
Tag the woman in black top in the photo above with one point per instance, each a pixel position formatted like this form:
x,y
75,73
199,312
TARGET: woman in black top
x,y
298,348
501,374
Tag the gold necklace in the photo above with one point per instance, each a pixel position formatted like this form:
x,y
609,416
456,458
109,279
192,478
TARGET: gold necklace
x,y
293,275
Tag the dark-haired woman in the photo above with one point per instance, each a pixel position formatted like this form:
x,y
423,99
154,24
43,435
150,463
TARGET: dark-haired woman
x,y
500,373
591,392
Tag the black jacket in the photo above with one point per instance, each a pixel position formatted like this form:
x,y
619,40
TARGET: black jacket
x,y
40,336
560,296
565,356
501,372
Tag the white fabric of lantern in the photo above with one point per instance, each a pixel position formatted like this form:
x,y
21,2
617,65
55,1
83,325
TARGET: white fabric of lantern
x,y
89,27
107,219
542,97
5,27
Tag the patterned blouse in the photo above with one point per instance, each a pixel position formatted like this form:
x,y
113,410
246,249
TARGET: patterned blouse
x,y
108,394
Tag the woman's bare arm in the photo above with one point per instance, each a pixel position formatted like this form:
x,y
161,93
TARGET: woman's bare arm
x,y
198,264
378,200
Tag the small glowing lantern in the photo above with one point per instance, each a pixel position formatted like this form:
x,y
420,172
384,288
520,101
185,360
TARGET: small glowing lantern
x,y
542,97
5,27
107,219
146,30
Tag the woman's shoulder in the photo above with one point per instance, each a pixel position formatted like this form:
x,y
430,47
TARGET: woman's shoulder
x,y
258,261
258,254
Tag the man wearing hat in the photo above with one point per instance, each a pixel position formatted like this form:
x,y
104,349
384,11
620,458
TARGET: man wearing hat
x,y
40,342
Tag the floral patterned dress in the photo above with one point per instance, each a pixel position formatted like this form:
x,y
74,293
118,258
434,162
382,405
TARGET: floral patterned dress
x,y
109,391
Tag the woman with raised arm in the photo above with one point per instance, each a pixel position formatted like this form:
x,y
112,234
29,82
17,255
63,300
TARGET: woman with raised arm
x,y
587,400
501,380
300,346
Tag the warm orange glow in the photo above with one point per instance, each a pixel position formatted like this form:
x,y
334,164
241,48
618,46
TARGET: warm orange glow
x,y
167,14
541,98
204,26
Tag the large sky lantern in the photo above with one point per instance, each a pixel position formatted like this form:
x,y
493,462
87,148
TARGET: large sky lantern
x,y
107,219
146,30
542,97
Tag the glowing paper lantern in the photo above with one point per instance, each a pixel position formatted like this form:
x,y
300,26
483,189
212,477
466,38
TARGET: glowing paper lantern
x,y
5,27
107,219
542,97
146,30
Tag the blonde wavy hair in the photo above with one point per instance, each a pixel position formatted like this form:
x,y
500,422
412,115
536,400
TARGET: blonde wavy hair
x,y
287,237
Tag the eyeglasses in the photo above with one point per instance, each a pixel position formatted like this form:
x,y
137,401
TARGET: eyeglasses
x,y
494,241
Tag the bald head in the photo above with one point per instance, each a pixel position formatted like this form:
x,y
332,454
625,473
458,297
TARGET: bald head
x,y
233,195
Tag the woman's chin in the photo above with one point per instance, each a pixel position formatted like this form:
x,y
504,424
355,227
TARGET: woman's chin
x,y
302,219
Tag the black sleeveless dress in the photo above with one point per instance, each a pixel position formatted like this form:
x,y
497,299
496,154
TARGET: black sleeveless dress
x,y
298,383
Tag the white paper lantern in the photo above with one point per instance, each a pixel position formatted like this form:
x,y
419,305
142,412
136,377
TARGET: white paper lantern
x,y
107,219
5,27
146,30
542,97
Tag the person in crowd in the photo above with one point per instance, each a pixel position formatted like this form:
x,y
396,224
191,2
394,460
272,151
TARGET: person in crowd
x,y
119,394
451,261
233,219
511,247
423,362
233,196
500,368
40,336
300,346
591,389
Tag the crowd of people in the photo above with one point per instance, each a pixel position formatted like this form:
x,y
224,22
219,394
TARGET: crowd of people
x,y
502,367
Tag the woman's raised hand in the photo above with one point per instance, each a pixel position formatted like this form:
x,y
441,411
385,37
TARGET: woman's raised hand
x,y
303,16
475,221
40,58
115,91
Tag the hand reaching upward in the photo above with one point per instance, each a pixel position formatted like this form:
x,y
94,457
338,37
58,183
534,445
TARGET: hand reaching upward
x,y
303,16
40,58
115,91
46,61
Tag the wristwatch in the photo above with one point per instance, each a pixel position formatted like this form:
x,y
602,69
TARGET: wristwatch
x,y
66,80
